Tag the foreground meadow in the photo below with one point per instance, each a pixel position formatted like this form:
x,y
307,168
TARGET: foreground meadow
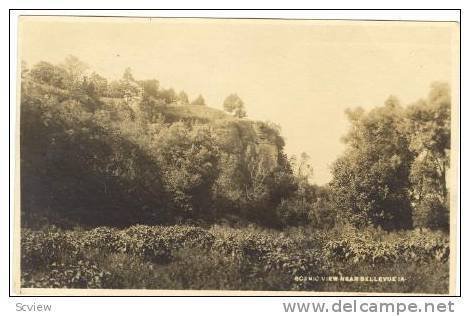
x,y
223,258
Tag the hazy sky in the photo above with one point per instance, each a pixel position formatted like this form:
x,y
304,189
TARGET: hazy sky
x,y
299,74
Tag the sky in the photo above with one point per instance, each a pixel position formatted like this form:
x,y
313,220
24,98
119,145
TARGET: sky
x,y
301,74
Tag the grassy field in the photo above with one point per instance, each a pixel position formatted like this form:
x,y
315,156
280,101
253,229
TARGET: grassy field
x,y
223,258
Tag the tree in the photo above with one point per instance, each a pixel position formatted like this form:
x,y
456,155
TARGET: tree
x,y
370,182
129,87
295,208
150,87
115,89
76,71
183,98
24,69
188,159
233,104
127,76
428,130
126,87
199,101
44,72
99,83
323,213
169,95
303,169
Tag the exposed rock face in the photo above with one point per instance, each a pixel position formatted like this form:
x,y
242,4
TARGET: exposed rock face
x,y
260,139
269,154
239,137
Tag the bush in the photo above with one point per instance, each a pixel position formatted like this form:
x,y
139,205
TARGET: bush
x,y
45,248
431,213
378,247
82,274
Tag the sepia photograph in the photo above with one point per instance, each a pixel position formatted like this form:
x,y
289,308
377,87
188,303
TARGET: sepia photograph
x,y
187,156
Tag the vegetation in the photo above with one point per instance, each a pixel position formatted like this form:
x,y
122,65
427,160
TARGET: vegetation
x,y
394,168
199,101
189,257
233,104
126,155
126,184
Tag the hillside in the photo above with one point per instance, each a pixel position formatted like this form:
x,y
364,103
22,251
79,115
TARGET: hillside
x,y
194,112
108,160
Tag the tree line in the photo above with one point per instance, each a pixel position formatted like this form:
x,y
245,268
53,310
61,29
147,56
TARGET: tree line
x,y
98,152
393,172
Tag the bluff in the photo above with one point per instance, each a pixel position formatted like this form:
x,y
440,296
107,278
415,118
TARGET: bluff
x,y
96,160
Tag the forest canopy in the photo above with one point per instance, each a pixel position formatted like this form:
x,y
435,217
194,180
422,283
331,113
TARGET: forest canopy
x,y
96,152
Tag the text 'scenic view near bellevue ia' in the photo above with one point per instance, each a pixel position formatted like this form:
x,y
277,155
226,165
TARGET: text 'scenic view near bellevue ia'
x,y
265,155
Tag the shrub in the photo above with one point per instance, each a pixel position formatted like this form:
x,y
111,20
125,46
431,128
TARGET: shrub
x,y
82,274
431,213
375,246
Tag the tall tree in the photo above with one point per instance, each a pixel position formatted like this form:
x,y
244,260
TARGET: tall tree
x,y
428,129
46,73
129,87
100,84
76,71
371,180
128,76
234,104
199,101
150,87
169,95
183,98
